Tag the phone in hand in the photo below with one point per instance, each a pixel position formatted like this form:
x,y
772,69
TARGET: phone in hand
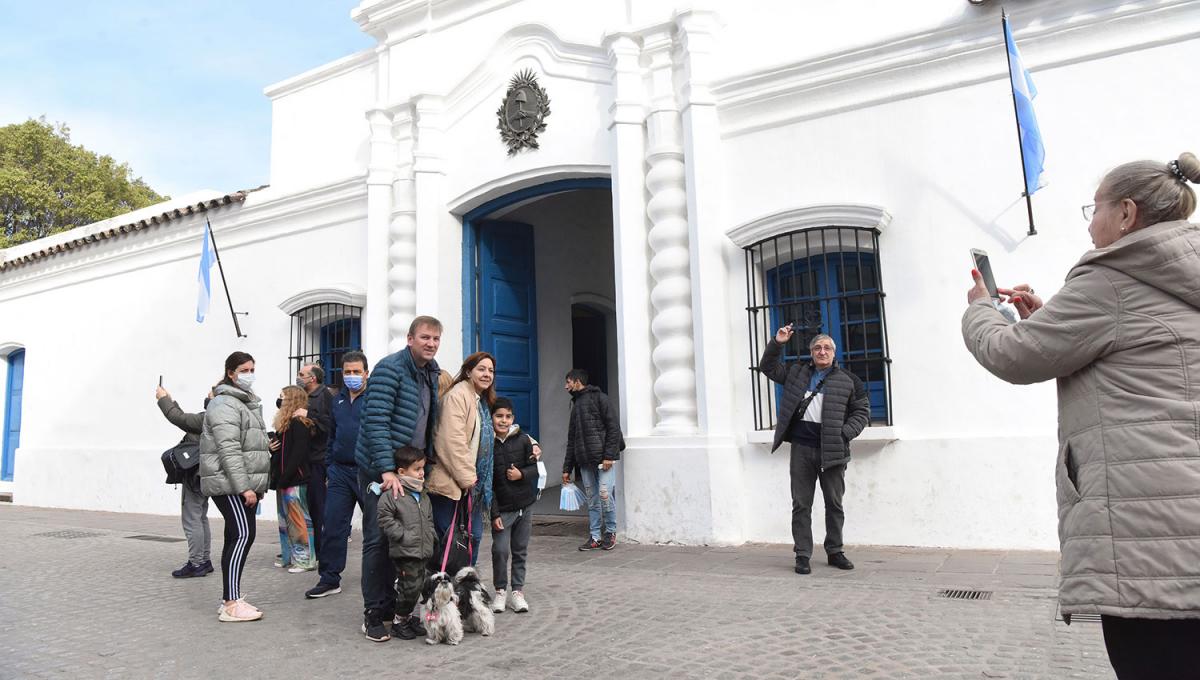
x,y
160,380
979,259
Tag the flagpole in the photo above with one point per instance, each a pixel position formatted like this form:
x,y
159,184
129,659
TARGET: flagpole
x,y
1016,117
216,253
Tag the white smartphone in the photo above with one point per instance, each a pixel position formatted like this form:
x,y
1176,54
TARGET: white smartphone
x,y
980,260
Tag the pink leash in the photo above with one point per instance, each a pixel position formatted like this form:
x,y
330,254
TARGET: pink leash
x,y
453,525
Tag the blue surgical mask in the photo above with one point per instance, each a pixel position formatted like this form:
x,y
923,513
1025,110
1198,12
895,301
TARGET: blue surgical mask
x,y
353,382
245,381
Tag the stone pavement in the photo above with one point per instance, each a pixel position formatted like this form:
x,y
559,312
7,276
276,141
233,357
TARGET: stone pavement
x,y
81,597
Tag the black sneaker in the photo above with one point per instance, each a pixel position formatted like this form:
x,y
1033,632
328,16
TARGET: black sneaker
x,y
189,570
373,627
609,541
592,544
840,561
802,565
322,589
415,625
403,630
207,567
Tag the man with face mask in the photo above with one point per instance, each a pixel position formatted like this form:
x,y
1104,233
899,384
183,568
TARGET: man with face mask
x,y
311,379
344,491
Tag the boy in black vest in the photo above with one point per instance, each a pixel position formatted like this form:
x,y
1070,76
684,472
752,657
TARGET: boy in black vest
x,y
515,468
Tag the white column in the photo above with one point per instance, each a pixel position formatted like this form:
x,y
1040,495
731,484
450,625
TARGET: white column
x,y
673,353
402,233
429,185
627,134
706,238
380,175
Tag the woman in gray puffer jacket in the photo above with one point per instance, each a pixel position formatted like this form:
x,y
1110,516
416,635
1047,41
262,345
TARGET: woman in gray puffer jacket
x,y
234,470
1122,337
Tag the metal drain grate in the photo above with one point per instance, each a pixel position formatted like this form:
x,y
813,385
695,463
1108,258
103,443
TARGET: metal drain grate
x,y
965,594
68,533
159,539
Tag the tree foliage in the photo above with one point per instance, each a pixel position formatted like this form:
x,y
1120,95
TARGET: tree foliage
x,y
48,185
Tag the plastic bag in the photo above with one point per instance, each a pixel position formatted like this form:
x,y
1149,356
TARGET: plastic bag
x,y
570,498
541,480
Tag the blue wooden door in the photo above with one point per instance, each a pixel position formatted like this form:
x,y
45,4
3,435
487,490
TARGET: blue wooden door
x,y
508,314
12,412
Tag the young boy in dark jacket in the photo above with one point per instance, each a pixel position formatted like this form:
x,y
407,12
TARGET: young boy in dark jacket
x,y
407,522
515,467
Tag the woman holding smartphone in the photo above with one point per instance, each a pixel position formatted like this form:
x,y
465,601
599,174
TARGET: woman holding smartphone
x,y
234,471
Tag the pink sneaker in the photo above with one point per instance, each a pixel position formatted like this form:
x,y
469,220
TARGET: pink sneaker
x,y
240,610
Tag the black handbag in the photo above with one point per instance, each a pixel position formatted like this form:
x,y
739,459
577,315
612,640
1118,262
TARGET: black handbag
x,y
454,548
181,460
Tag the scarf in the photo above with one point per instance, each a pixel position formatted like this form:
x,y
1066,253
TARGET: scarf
x,y
483,459
412,483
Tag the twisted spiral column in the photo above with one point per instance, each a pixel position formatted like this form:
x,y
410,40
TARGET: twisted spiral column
x,y
402,236
671,293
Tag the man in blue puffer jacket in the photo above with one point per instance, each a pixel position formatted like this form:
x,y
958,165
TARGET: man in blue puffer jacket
x,y
400,410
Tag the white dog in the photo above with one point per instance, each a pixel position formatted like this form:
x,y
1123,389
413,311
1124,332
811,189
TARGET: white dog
x,y
473,602
442,620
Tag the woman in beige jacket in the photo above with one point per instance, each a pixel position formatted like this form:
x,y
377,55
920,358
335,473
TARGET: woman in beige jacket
x,y
1122,337
463,444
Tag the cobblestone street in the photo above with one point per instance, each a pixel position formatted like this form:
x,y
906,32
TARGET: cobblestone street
x,y
86,595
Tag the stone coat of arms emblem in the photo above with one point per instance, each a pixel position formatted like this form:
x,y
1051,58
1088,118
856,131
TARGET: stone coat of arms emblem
x,y
523,113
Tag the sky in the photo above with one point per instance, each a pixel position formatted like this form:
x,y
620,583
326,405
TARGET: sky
x,y
173,88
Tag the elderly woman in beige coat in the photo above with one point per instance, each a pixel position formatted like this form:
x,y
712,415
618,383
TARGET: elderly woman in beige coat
x,y
1122,337
463,443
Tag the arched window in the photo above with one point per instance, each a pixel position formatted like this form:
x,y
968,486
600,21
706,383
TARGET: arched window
x,y
321,334
818,268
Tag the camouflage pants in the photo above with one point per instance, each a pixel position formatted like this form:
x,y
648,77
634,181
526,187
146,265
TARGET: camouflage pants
x,y
410,579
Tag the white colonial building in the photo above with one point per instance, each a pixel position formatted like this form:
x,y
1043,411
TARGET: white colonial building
x,y
706,172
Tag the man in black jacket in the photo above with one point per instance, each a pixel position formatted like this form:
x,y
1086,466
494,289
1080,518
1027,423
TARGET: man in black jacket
x,y
311,379
593,445
823,407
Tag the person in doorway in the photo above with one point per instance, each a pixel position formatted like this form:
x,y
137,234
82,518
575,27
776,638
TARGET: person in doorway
x,y
319,410
400,409
594,446
343,492
463,443
290,468
193,504
823,408
234,471
1122,339
514,465
407,522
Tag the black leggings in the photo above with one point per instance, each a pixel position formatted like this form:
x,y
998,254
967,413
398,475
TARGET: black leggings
x,y
1152,649
239,536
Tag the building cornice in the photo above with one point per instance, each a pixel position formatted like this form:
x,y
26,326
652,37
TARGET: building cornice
x,y
321,73
809,217
1054,34
394,21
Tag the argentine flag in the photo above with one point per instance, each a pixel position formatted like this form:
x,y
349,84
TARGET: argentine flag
x,y
205,276
1032,151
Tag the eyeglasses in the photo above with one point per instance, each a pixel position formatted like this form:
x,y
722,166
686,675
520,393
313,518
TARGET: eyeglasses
x,y
1089,211
821,348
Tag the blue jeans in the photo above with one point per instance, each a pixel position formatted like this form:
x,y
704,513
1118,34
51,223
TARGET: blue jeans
x,y
443,515
341,496
599,487
378,572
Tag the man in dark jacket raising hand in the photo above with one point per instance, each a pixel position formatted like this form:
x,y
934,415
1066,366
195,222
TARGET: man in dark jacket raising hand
x,y
823,407
593,445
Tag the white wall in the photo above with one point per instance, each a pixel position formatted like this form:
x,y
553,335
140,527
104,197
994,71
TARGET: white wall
x,y
101,324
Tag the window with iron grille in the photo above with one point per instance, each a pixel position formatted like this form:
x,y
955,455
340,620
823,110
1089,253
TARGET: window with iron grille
x,y
824,280
321,334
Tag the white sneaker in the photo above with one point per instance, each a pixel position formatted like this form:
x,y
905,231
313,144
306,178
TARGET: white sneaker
x,y
499,600
518,602
299,570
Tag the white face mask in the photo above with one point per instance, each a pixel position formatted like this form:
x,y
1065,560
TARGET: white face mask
x,y
245,381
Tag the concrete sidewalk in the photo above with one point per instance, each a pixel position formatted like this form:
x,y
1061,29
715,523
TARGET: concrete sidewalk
x,y
88,595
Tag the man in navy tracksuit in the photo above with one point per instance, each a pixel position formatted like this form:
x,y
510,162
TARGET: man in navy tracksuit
x,y
343,491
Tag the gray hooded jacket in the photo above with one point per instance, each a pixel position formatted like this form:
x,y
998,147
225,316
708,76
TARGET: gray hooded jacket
x,y
1123,339
233,445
